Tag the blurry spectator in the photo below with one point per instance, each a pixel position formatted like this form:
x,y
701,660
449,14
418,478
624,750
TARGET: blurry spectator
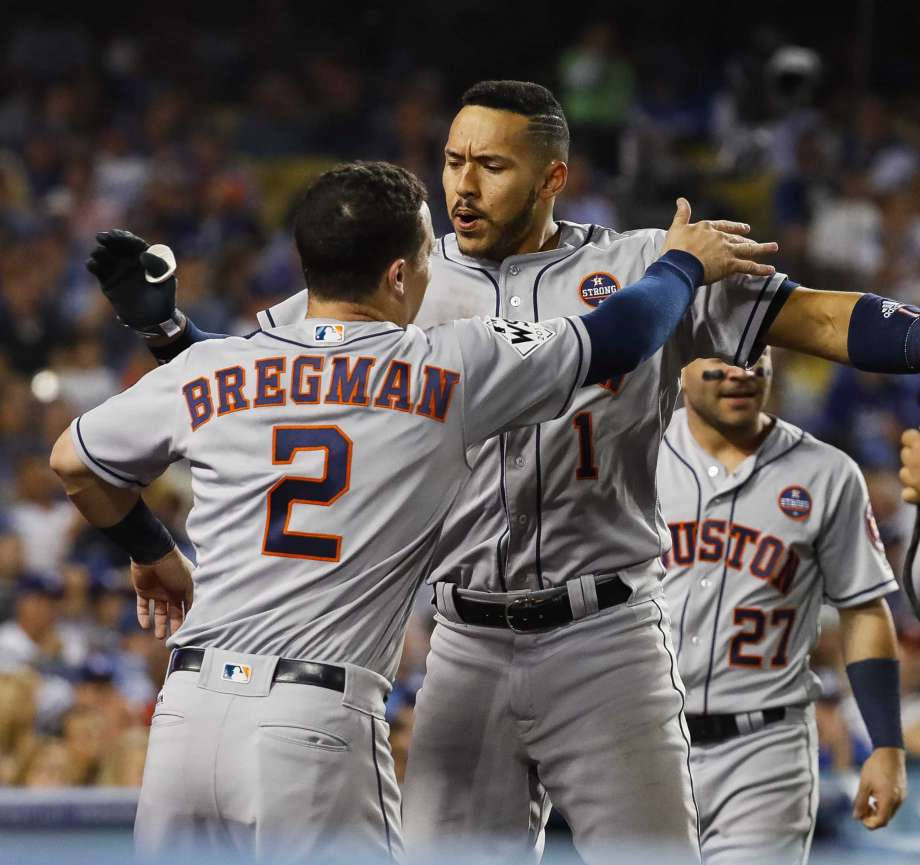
x,y
32,637
598,91
84,735
17,722
123,762
585,199
46,523
50,765
83,378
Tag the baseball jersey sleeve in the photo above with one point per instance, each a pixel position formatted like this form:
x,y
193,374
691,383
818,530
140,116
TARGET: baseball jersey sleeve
x,y
729,319
850,554
517,373
130,439
289,311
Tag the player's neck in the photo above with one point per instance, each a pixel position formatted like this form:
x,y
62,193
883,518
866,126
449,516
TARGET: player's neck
x,y
341,310
543,236
731,446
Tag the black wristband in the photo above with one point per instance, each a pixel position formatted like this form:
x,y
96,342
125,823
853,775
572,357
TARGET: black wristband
x,y
141,535
877,689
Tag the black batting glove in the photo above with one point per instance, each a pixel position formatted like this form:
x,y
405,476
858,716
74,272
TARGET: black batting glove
x,y
139,281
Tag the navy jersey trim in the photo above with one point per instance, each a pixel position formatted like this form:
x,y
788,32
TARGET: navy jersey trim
x,y
731,522
338,344
737,358
715,620
776,304
806,841
536,317
893,582
383,811
539,503
680,718
581,357
501,561
270,317
498,296
104,467
699,513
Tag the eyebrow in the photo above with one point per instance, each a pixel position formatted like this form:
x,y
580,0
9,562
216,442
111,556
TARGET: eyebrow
x,y
481,157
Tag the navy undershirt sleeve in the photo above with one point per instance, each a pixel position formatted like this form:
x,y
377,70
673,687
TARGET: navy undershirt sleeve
x,y
189,336
632,324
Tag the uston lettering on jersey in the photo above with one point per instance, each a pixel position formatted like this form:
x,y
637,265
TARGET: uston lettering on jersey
x,y
310,380
523,336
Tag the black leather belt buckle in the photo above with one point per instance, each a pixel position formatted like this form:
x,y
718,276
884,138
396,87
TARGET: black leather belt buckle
x,y
524,615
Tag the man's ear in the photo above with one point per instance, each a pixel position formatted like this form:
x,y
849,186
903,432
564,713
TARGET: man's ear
x,y
554,179
396,277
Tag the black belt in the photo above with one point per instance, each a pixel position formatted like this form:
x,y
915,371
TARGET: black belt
x,y
287,670
709,729
527,613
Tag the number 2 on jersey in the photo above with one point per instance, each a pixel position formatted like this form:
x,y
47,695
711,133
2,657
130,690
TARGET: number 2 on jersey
x,y
290,490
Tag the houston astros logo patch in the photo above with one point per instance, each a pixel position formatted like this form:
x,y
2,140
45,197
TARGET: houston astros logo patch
x,y
795,502
239,673
595,288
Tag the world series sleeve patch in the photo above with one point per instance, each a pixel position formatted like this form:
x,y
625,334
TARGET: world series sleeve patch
x,y
524,337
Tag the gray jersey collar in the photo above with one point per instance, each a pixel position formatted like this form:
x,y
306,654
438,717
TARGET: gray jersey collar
x,y
571,235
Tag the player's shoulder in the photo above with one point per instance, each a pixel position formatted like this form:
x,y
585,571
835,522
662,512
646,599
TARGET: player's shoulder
x,y
636,241
821,457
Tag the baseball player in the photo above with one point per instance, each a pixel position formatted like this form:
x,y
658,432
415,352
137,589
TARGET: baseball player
x,y
325,456
559,522
767,523
910,481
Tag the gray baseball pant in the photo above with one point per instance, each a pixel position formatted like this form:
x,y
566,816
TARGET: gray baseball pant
x,y
758,793
268,772
589,714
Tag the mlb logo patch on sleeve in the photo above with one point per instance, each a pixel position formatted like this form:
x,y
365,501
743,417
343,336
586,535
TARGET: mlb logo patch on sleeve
x,y
240,673
524,337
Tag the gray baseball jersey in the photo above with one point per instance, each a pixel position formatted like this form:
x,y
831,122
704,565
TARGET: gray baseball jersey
x,y
755,554
324,458
575,495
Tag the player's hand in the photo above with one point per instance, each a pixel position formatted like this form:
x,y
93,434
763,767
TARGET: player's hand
x,y
882,787
168,583
138,279
720,245
910,466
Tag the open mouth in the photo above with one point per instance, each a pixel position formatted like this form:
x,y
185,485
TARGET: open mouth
x,y
466,220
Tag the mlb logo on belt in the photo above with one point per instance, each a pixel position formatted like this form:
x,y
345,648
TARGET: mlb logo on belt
x,y
328,333
795,502
595,288
239,673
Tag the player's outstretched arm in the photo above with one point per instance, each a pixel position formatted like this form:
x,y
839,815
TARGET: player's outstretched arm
x,y
633,324
870,650
139,281
159,571
870,332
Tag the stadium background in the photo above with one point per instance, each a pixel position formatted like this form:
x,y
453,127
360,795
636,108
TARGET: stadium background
x,y
194,126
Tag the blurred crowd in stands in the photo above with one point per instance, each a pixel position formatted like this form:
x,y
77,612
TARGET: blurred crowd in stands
x,y
93,135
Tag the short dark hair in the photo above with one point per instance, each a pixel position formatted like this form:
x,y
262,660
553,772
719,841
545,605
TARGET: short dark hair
x,y
547,125
352,222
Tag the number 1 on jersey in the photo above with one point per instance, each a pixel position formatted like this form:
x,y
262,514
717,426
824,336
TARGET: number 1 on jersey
x,y
586,469
290,490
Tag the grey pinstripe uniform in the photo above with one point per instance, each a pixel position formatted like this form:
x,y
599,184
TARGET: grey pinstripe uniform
x,y
755,553
308,447
589,713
